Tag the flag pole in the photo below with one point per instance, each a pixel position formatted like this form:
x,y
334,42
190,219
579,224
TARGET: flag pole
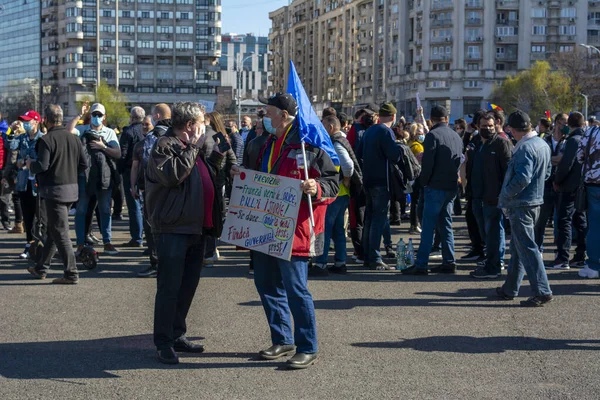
x,y
310,208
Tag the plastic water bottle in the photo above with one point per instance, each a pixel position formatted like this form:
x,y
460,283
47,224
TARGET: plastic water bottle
x,y
400,255
410,253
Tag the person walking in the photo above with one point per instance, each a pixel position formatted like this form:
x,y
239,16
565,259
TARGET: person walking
x,y
60,159
520,199
442,157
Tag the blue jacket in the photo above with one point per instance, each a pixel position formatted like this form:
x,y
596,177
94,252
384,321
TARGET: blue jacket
x,y
527,172
26,149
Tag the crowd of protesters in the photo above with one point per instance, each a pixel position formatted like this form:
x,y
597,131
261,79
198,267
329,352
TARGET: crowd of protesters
x,y
174,172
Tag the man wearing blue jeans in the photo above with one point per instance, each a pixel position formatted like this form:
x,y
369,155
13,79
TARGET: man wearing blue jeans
x,y
521,197
102,150
489,167
282,284
131,135
377,148
439,177
588,154
334,217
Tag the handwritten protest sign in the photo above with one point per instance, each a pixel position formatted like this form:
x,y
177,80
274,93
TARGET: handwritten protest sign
x,y
262,213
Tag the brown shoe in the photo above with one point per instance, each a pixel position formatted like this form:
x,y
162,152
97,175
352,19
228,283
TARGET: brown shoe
x,y
18,228
36,273
65,281
110,249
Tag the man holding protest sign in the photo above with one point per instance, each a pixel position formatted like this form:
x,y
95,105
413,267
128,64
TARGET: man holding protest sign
x,y
282,284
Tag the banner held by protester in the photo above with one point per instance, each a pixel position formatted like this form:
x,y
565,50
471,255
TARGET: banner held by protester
x,y
263,212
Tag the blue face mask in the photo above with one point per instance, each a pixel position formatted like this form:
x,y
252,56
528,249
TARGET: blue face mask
x,y
421,138
27,126
268,126
97,121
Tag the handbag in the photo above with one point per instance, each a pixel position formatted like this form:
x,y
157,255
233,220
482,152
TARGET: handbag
x,y
581,193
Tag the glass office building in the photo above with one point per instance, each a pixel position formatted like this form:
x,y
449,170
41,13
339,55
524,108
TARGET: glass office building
x,y
20,48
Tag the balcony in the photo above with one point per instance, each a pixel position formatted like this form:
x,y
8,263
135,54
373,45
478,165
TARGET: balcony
x,y
442,5
474,56
538,56
440,23
473,22
440,57
554,4
74,35
507,4
567,38
444,39
474,4
474,39
506,56
511,39
507,22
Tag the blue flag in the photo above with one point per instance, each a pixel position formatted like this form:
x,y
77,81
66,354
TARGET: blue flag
x,y
312,130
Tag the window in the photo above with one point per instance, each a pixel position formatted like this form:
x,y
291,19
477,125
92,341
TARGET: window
x,y
164,1
184,15
126,43
539,29
107,59
566,49
145,29
164,75
538,48
500,67
125,14
470,106
126,59
145,89
107,28
145,14
436,84
164,45
147,75
567,30
164,90
184,30
145,44
472,84
570,12
473,67
126,74
164,29
126,28
538,12
107,13
184,75
500,51
473,52
507,31
186,90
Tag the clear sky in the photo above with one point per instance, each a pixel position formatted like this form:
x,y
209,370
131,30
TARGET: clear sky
x,y
248,16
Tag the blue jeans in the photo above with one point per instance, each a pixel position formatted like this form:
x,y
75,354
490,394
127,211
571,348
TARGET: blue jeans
x,y
480,218
282,287
593,234
494,237
376,217
136,223
525,256
437,213
104,199
334,229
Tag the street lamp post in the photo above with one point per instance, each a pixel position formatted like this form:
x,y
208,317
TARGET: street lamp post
x,y
586,105
590,48
97,47
238,85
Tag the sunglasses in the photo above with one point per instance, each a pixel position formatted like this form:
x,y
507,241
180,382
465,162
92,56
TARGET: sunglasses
x,y
97,115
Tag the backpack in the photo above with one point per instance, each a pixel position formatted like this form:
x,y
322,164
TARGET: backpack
x,y
410,164
149,141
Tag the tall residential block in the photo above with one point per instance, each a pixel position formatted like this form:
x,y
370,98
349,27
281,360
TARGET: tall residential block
x,y
451,52
158,51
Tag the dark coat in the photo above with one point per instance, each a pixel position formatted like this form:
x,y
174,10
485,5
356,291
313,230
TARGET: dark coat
x,y
568,171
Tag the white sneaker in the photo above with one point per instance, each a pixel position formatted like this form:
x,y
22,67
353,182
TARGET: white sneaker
x,y
562,266
589,273
25,254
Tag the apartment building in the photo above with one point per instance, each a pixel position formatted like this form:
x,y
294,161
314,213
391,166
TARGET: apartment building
x,y
20,44
451,52
244,64
152,50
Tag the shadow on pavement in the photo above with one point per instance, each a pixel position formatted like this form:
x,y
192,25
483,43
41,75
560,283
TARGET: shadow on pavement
x,y
98,358
483,345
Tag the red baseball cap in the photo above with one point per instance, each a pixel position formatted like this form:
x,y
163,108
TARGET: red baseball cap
x,y
31,115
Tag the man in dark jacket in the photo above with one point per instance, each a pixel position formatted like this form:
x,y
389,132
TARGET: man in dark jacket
x,y
556,142
439,176
376,149
131,135
183,205
161,119
492,162
60,159
567,179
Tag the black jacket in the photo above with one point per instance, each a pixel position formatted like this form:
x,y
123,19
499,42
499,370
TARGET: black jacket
x,y
252,150
60,160
470,148
131,135
441,158
548,188
568,171
496,153
101,172
174,188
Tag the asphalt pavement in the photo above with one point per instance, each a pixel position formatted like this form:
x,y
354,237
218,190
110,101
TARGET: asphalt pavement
x,y
381,335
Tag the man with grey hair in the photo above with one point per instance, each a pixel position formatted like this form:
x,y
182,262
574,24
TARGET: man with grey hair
x,y
183,205
132,134
60,160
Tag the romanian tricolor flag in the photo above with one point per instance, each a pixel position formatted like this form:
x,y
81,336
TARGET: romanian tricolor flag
x,y
494,107
548,115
